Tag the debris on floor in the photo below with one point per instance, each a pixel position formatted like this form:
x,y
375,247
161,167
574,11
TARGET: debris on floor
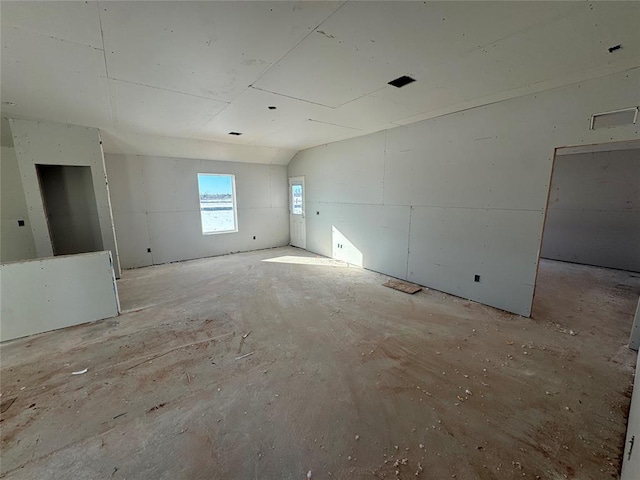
x,y
80,372
245,355
157,407
244,337
319,376
560,329
402,286
6,404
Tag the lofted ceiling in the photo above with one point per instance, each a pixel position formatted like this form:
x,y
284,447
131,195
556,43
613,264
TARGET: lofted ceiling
x,y
174,78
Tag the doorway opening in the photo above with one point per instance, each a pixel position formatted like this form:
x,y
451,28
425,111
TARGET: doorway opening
x,y
589,259
592,213
69,202
591,230
593,207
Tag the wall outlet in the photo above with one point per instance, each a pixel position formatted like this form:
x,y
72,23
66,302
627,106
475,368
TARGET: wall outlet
x,y
21,223
476,278
148,250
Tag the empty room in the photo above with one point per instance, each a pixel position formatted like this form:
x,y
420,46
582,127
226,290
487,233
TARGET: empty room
x,y
319,240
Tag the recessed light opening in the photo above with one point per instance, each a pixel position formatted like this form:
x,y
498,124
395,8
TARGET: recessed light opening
x,y
235,133
402,81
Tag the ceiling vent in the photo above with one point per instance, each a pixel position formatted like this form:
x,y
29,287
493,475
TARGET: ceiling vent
x,y
237,134
402,81
626,116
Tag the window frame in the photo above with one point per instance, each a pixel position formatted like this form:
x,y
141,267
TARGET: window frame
x,y
233,198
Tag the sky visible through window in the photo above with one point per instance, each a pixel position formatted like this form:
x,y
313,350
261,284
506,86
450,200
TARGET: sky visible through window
x,y
214,184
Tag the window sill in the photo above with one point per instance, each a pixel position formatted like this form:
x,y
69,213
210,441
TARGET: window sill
x,y
218,233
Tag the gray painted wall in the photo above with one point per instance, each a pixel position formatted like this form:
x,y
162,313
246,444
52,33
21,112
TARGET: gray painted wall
x,y
439,201
156,205
16,242
594,210
59,144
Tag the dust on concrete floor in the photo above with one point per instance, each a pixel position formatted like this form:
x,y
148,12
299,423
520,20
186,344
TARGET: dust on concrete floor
x,y
346,378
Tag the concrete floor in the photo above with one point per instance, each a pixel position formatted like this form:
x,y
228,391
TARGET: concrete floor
x,y
346,377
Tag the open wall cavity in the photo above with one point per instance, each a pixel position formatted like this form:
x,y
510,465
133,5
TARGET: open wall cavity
x,y
69,202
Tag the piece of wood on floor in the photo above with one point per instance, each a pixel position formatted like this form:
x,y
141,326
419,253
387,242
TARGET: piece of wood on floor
x,y
402,286
4,406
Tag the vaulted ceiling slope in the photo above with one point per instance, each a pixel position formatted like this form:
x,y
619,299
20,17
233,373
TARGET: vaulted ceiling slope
x,y
175,78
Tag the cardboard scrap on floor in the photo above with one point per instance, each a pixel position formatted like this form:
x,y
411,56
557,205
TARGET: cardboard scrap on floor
x,y
402,286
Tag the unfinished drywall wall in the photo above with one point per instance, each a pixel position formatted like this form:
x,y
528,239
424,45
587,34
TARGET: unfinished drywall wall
x,y
441,201
46,294
50,143
16,239
156,206
593,214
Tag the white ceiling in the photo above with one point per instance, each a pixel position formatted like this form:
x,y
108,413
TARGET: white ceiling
x,y
174,78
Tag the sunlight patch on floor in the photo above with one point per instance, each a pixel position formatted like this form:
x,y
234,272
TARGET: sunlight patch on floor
x,y
320,261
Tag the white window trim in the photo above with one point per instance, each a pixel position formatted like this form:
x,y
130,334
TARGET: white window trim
x,y
235,203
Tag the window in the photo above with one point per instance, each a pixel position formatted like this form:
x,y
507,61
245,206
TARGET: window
x,y
296,199
217,203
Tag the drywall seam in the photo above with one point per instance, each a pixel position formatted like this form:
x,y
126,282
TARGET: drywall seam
x,y
408,244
